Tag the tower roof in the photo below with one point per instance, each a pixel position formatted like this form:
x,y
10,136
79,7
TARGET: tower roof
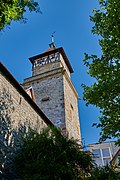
x,y
50,51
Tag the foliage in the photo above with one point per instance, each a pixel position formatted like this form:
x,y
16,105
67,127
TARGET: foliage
x,y
105,92
105,173
14,10
50,155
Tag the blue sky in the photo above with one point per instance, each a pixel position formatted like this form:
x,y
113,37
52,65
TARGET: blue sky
x,y
70,21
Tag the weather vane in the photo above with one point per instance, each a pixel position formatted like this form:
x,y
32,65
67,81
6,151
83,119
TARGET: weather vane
x,y
52,44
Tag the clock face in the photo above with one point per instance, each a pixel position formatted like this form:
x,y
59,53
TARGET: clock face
x,y
46,60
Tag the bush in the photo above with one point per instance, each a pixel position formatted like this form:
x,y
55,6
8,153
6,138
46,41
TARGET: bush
x,y
50,155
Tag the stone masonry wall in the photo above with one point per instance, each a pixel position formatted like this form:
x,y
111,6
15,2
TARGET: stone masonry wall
x,y
56,95
22,113
50,67
64,65
71,109
49,96
45,68
18,114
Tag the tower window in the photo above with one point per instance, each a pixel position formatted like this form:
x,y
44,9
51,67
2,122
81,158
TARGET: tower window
x,y
20,100
45,99
71,106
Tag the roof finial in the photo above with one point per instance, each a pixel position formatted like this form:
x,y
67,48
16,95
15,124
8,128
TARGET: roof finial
x,y
52,44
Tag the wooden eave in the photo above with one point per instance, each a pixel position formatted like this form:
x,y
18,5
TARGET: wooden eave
x,y
46,53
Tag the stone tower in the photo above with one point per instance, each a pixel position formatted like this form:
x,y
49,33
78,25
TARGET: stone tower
x,y
53,90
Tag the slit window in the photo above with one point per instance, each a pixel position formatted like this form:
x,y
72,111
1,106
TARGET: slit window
x,y
45,99
71,106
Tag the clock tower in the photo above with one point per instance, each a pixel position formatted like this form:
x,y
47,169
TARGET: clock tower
x,y
53,90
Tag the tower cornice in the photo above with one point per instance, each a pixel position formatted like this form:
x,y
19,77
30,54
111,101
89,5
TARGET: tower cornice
x,y
53,50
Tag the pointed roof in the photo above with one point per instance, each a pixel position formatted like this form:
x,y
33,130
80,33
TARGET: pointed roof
x,y
50,49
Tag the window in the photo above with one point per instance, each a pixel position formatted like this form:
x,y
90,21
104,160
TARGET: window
x,y
105,152
98,162
45,99
71,106
101,156
106,161
71,112
96,153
